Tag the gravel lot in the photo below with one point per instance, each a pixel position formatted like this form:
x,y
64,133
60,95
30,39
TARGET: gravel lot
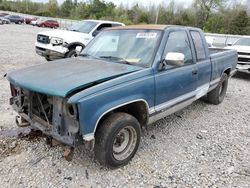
x,y
201,146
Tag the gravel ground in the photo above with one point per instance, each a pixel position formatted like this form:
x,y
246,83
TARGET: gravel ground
x,y
201,146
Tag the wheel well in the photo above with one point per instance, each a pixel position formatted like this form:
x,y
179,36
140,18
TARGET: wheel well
x,y
227,71
137,109
74,45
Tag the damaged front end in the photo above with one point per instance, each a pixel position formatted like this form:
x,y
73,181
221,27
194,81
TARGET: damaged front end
x,y
50,114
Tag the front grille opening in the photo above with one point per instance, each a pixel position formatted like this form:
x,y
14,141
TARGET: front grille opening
x,y
243,53
243,59
43,39
41,49
42,106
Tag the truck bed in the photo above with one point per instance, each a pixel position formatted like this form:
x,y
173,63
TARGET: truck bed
x,y
216,50
222,59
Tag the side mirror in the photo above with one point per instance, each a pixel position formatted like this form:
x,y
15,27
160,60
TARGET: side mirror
x,y
229,44
175,59
78,50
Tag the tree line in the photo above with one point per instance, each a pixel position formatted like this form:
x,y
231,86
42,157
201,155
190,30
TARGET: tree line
x,y
215,16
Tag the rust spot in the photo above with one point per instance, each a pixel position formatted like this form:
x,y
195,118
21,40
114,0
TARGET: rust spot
x,y
68,153
21,132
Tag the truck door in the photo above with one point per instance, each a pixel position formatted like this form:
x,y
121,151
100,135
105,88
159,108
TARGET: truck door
x,y
176,84
203,63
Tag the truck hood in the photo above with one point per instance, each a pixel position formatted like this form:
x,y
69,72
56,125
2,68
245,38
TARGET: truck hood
x,y
239,48
67,36
62,77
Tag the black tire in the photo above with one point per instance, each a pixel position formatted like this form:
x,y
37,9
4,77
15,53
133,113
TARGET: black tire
x,y
48,58
71,53
111,136
217,95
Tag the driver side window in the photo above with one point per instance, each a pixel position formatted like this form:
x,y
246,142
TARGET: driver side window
x,y
178,42
100,28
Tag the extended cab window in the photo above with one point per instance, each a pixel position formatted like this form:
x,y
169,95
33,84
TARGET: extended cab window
x,y
198,44
103,26
100,28
178,42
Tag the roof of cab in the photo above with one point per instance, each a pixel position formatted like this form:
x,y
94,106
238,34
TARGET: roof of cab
x,y
105,21
151,26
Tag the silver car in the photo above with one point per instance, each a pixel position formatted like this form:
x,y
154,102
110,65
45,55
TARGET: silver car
x,y
4,20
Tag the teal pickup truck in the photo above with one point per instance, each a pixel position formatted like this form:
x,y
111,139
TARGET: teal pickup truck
x,y
125,78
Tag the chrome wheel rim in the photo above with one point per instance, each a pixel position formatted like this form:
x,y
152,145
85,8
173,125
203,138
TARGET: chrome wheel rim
x,y
124,143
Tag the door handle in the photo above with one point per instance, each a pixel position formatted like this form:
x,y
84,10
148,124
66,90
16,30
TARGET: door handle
x,y
194,71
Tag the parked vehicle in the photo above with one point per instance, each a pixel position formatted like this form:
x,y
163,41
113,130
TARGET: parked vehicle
x,y
36,22
62,43
49,23
15,19
126,78
29,20
2,14
243,48
4,20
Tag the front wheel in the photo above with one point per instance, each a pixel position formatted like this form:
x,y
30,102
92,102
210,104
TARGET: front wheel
x,y
48,58
71,53
217,95
117,140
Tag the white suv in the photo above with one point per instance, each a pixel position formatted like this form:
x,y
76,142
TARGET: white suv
x,y
55,44
243,47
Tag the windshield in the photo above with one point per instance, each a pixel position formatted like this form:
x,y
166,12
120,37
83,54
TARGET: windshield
x,y
243,42
83,27
125,46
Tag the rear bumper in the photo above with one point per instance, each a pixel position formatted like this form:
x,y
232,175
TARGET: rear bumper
x,y
49,51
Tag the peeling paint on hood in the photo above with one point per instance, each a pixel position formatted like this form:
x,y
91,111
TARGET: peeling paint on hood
x,y
61,77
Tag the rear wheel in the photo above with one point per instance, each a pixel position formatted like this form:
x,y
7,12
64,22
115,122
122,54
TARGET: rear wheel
x,y
217,95
117,140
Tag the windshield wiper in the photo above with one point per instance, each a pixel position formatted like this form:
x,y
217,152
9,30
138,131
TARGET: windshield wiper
x,y
86,55
120,59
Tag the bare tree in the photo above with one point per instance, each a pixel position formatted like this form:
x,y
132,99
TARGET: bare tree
x,y
205,8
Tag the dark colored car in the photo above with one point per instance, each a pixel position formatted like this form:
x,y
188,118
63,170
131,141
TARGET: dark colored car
x,y
2,14
49,23
28,20
15,18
